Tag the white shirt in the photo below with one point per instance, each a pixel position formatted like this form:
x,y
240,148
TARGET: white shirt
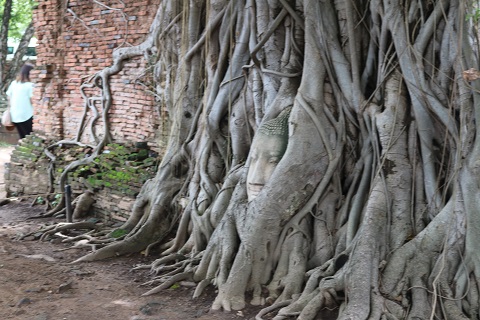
x,y
21,108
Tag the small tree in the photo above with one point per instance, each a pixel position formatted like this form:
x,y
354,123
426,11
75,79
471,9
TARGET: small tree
x,y
16,24
372,205
7,14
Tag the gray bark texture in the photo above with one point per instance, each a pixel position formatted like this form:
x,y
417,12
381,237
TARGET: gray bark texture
x,y
371,211
17,61
7,14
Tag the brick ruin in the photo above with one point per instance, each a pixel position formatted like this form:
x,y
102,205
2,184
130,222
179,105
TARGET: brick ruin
x,y
115,177
76,40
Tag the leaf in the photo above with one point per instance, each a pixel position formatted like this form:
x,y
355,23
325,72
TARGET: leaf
x,y
118,233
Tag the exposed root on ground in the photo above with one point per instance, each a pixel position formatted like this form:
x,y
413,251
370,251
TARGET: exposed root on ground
x,y
65,226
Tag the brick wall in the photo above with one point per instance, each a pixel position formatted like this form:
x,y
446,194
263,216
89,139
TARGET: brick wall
x,y
75,41
115,178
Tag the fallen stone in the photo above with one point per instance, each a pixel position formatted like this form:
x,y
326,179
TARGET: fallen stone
x,y
82,273
19,312
42,316
23,301
64,287
199,313
150,308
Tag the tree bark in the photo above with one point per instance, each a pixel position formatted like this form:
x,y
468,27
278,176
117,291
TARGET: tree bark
x,y
17,60
370,210
7,13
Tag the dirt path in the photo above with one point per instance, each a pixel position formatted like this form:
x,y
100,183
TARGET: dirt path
x,y
37,282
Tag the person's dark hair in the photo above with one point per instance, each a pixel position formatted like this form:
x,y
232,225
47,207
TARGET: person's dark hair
x,y
24,75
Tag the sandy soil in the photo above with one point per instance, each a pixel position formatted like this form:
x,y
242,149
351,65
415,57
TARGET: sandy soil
x,y
37,281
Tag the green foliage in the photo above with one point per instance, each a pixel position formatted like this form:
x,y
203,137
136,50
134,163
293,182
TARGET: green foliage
x,y
58,196
474,16
21,16
119,168
175,286
473,13
117,233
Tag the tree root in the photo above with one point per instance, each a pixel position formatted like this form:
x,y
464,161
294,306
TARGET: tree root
x,y
308,306
67,226
111,250
271,308
170,270
181,268
168,283
92,238
320,291
80,245
160,262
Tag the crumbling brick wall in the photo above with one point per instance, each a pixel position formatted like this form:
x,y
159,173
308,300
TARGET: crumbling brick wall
x,y
76,40
115,177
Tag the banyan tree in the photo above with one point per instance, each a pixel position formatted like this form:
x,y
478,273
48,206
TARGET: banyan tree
x,y
322,154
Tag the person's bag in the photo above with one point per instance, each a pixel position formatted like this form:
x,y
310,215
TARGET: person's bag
x,y
6,118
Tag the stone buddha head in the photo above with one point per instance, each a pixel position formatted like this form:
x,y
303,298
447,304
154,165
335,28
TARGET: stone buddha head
x,y
268,147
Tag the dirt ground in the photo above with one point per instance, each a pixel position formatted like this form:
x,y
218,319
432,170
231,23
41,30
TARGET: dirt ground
x,y
37,281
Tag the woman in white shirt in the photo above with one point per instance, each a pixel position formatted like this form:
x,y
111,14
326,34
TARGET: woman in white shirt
x,y
20,95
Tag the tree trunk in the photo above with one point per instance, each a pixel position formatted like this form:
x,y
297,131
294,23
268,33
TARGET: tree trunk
x,y
7,13
17,60
366,204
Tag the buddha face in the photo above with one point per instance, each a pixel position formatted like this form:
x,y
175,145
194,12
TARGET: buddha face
x,y
265,154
